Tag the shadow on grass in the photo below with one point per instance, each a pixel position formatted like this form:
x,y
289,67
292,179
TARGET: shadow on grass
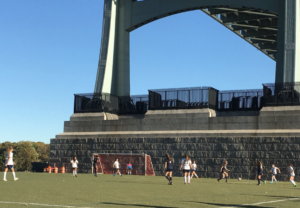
x,y
135,205
137,182
273,196
229,205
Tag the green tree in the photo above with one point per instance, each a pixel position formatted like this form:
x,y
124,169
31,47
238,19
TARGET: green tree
x,y
25,155
44,151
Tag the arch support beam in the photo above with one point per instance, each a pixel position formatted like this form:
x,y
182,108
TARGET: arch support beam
x,y
272,26
288,42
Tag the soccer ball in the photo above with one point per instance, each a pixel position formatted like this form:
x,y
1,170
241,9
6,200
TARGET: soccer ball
x,y
239,179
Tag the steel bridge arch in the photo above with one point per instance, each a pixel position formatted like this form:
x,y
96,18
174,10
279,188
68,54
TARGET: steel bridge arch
x,y
262,23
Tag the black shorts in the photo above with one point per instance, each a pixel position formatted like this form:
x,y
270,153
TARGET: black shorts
x,y
95,165
116,169
186,171
169,170
260,173
129,168
9,167
274,174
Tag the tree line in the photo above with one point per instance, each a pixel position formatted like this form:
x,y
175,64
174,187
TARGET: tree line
x,y
24,154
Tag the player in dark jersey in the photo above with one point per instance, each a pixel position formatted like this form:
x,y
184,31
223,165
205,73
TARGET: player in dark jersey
x,y
168,169
223,172
260,172
95,161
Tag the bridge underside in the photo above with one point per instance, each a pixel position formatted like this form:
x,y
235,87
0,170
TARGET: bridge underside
x,y
257,27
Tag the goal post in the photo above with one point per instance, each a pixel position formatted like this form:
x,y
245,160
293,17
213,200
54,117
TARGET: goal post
x,y
141,163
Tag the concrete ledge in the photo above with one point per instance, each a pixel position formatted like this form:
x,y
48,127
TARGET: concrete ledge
x,y
180,113
185,133
280,111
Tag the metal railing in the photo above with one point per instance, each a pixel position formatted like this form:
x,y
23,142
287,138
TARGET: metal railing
x,y
183,98
287,94
237,100
121,105
190,98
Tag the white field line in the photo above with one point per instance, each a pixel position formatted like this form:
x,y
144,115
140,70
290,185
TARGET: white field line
x,y
36,204
259,203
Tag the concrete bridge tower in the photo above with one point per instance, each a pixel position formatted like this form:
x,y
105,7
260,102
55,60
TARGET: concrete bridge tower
x,y
272,26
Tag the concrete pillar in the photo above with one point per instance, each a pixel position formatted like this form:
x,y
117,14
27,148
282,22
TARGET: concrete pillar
x,y
113,70
288,42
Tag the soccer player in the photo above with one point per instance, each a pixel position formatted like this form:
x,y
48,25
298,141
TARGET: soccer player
x,y
129,168
186,166
260,172
116,166
9,164
95,161
74,163
168,169
292,174
224,171
194,168
274,173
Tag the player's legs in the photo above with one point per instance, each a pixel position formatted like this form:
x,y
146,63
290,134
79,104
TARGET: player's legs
x,y
96,170
184,176
259,178
226,177
119,172
222,176
273,178
75,172
170,176
189,176
14,174
4,174
194,173
167,175
292,180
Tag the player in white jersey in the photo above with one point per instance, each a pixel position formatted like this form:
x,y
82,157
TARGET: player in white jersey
x,y
116,167
9,164
194,168
186,166
274,172
74,166
292,174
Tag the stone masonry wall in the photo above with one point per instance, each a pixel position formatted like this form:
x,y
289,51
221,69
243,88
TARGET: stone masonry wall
x,y
209,153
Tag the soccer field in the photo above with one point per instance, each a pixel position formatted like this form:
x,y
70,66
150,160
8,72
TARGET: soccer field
x,y
64,190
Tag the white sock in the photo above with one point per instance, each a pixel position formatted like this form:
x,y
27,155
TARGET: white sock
x,y
196,175
293,182
189,179
73,173
275,179
184,179
4,177
192,176
272,179
14,174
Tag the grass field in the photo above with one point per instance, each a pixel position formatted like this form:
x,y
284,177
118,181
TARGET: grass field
x,y
63,190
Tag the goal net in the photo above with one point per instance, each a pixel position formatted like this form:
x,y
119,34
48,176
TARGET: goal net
x,y
141,163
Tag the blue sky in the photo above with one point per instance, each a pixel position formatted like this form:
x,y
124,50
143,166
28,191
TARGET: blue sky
x,y
49,51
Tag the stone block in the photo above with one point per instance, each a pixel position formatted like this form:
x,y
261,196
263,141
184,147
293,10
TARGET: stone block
x,y
201,140
235,147
221,147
